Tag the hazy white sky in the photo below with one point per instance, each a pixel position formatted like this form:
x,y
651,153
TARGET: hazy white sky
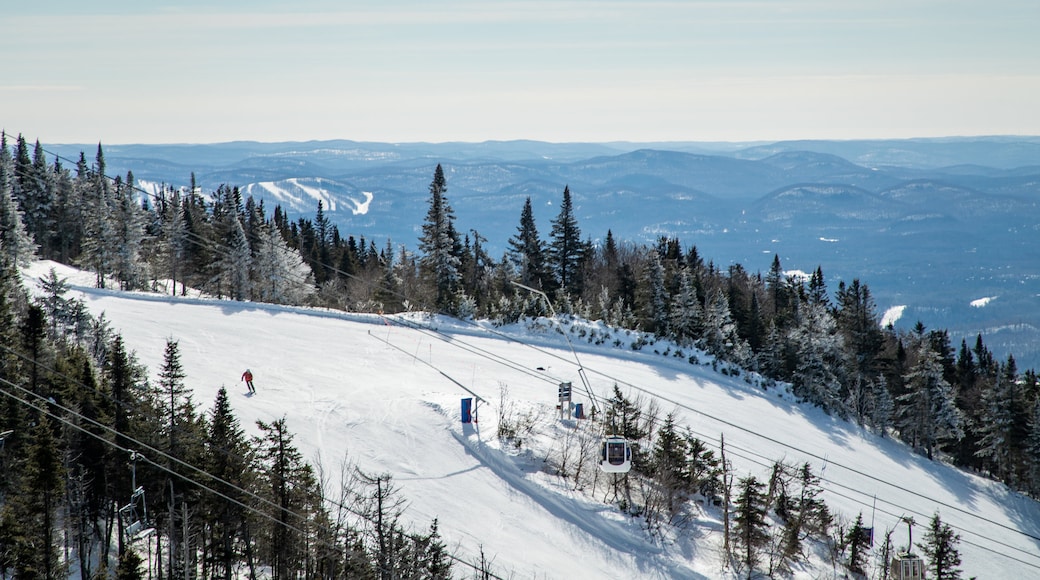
x,y
162,71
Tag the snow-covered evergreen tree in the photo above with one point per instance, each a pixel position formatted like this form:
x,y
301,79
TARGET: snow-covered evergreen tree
x,y
720,336
14,240
927,414
656,300
100,242
685,309
234,260
995,445
282,277
130,220
818,356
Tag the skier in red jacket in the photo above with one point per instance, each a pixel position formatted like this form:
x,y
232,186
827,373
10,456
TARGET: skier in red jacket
x,y
248,378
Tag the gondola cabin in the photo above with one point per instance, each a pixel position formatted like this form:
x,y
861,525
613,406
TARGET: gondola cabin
x,y
908,566
616,455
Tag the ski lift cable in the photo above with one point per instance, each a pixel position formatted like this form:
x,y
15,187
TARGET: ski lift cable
x,y
196,482
429,364
552,310
990,549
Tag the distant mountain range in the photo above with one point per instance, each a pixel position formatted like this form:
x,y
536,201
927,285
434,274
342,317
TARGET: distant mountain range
x,y
936,225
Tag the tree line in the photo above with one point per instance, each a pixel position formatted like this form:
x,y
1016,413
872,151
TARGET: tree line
x,y
955,403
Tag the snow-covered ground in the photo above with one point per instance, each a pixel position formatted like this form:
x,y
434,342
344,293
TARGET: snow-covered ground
x,y
386,396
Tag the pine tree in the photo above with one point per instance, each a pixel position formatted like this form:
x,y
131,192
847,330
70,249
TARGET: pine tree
x,y
995,427
818,357
655,305
527,252
750,529
15,242
940,550
927,414
440,244
720,333
685,310
857,542
226,450
281,275
66,215
566,250
290,485
100,237
129,225
40,499
235,260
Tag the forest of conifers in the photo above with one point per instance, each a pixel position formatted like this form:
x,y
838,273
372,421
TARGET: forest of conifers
x,y
74,396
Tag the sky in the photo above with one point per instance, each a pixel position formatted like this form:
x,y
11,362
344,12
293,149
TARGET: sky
x,y
188,71
356,389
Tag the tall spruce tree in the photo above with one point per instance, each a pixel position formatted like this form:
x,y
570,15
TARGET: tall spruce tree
x,y
226,452
527,252
750,527
440,245
15,242
566,250
927,414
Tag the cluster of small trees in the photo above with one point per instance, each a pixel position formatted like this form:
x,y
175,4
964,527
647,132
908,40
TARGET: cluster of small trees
x,y
772,526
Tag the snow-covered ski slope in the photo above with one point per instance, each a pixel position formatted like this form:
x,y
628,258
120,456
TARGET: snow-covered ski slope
x,y
387,397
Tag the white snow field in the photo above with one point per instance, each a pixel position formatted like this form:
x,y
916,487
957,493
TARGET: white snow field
x,y
387,396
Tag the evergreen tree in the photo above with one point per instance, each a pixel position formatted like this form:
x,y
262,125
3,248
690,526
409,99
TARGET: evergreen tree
x,y
36,194
857,542
66,215
281,275
720,332
235,260
179,436
1032,451
38,554
940,550
685,310
566,250
14,240
100,241
527,252
655,305
290,485
996,445
226,452
926,413
669,463
440,244
129,225
818,355
750,529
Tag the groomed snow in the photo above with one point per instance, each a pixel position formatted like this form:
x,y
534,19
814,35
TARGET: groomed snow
x,y
386,396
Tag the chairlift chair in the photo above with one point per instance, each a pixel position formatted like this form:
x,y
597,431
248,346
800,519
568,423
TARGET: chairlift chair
x,y
135,517
615,455
908,566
